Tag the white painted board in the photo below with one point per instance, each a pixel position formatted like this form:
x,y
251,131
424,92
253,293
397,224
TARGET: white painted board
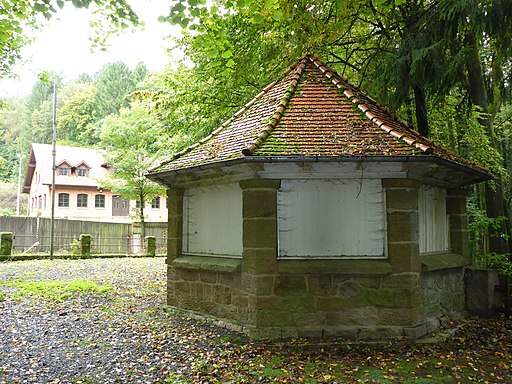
x,y
433,221
212,220
331,218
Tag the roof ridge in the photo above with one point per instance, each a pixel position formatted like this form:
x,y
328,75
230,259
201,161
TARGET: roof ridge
x,y
331,75
283,104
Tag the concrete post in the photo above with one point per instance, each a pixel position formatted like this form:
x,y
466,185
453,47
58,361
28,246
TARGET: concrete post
x,y
85,245
5,243
151,245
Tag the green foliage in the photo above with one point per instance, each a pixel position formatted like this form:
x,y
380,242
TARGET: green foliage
x,y
478,227
132,141
113,83
501,262
77,117
457,127
75,248
6,212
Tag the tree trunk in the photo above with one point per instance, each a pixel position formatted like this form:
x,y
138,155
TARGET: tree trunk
x,y
494,200
421,110
141,216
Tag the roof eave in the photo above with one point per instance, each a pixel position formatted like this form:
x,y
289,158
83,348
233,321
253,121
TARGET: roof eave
x,y
478,175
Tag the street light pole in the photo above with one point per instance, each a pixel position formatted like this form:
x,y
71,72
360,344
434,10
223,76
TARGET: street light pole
x,y
54,152
18,196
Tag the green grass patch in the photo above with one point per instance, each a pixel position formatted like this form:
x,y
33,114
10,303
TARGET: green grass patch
x,y
54,290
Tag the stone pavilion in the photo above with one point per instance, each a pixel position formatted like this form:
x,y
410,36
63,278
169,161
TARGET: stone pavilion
x,y
315,212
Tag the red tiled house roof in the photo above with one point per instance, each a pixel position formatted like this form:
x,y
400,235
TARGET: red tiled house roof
x,y
311,112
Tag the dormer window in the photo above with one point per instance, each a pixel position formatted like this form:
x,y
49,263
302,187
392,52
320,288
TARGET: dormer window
x,y
82,172
82,169
63,171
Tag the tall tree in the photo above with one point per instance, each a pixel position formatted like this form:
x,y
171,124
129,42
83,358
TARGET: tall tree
x,y
114,84
132,142
407,52
474,27
77,117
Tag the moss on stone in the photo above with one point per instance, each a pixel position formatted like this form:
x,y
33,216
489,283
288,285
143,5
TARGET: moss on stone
x,y
208,263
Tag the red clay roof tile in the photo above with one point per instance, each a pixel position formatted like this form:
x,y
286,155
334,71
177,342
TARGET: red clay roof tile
x,y
310,111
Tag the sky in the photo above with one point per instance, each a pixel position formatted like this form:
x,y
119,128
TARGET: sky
x,y
63,47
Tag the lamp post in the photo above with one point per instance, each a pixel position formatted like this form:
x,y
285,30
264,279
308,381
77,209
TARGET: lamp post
x,y
18,196
54,151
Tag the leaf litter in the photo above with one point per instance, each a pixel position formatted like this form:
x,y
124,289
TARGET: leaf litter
x,y
126,334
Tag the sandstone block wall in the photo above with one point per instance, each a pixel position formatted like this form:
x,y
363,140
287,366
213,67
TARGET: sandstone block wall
x,y
268,297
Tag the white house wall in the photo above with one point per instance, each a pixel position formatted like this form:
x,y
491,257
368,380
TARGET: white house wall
x,y
212,220
433,221
331,218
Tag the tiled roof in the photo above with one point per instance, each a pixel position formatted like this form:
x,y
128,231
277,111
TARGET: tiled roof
x,y
41,160
310,112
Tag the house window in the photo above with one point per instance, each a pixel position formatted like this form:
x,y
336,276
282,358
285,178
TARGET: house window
x,y
212,220
63,199
63,171
81,200
82,172
44,201
433,221
40,203
99,201
156,202
331,218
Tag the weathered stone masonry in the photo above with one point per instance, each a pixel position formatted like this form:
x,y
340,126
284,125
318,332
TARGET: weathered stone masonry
x,y
268,297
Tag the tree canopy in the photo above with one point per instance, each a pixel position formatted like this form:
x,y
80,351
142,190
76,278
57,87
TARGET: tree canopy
x,y
444,66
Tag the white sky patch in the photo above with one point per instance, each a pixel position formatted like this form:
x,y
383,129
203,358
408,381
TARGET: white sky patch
x,y
63,46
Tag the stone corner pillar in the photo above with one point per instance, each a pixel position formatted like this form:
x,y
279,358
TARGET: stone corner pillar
x,y
402,224
259,240
457,219
259,225
174,223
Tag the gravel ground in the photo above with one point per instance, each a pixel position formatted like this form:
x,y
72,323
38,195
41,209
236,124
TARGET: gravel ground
x,y
125,335
117,329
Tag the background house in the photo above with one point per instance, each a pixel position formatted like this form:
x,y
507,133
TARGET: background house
x,y
78,194
315,212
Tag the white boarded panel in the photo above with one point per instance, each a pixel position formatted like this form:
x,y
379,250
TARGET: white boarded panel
x,y
212,220
433,222
328,218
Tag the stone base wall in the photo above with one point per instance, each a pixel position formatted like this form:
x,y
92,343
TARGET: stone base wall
x,y
213,293
337,305
442,293
303,299
213,289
